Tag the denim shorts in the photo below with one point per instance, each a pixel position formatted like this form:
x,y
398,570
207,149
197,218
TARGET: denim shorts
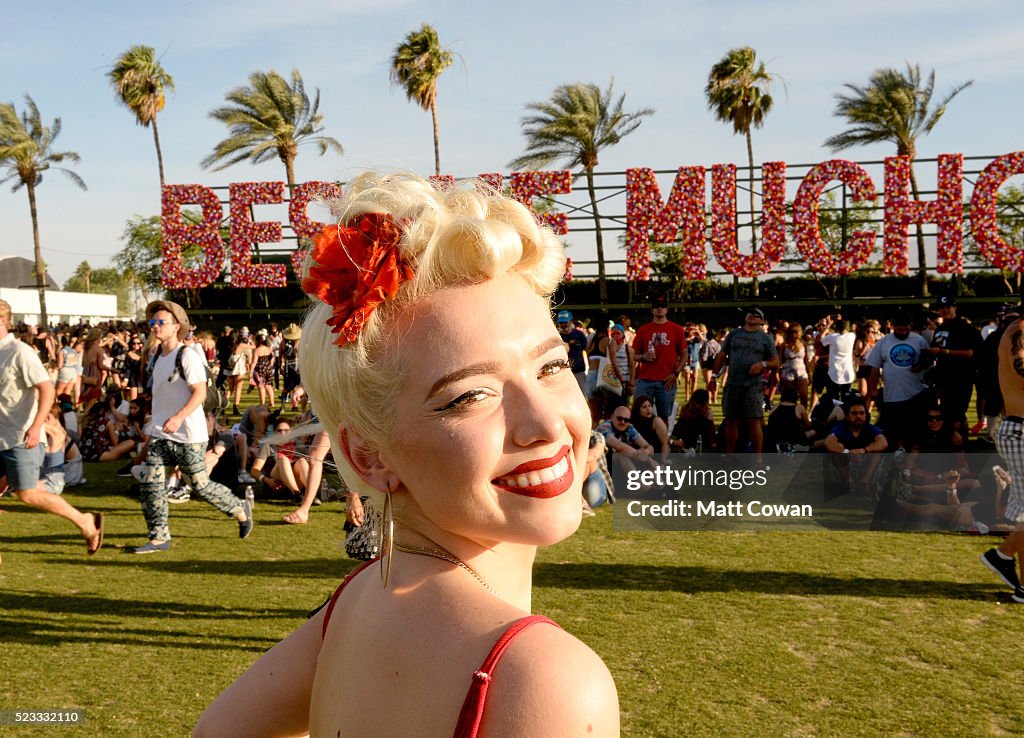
x,y
22,465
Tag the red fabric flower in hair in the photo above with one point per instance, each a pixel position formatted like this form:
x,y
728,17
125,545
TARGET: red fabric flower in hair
x,y
354,269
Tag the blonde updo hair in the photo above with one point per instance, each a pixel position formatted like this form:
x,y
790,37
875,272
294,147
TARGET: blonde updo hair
x,y
465,235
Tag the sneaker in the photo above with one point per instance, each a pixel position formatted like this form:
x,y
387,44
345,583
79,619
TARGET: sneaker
x,y
126,470
246,478
138,472
178,496
150,547
1005,570
245,526
1018,595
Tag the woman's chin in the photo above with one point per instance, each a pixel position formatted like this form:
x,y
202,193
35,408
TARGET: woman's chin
x,y
561,522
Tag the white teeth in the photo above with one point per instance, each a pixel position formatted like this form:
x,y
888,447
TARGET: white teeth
x,y
536,478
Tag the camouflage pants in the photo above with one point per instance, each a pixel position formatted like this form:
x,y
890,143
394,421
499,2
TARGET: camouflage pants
x,y
161,458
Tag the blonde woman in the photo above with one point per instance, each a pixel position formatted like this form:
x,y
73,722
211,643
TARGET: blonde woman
x,y
477,442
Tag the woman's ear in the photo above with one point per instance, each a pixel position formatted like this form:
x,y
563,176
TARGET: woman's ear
x,y
365,461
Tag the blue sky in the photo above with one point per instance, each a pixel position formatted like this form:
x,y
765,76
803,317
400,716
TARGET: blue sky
x,y
658,52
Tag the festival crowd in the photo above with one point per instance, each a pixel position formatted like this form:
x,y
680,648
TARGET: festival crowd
x,y
855,389
101,387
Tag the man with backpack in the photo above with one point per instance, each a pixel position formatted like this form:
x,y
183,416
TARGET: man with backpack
x,y
179,434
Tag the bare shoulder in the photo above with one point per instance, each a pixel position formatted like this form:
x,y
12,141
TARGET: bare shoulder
x,y
550,683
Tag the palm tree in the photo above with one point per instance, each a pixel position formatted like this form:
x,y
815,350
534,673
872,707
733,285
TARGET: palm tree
x,y
574,126
269,118
737,93
416,65
139,82
83,272
26,151
894,106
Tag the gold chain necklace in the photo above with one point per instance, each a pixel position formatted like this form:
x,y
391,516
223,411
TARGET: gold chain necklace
x,y
445,555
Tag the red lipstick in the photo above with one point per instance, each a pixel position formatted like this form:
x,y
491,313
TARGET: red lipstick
x,y
544,490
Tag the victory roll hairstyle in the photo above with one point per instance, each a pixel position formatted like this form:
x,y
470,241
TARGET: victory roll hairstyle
x,y
455,237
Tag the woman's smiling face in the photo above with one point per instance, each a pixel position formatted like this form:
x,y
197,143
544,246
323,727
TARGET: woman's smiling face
x,y
491,429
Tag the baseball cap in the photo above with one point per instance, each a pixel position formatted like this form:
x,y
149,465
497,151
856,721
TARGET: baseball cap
x,y
902,316
659,302
563,316
755,311
180,316
947,301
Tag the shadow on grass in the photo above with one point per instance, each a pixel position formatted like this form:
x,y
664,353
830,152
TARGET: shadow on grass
x,y
331,568
65,604
33,632
699,579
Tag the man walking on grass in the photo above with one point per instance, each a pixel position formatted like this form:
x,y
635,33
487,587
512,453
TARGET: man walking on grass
x,y
179,431
1010,443
26,395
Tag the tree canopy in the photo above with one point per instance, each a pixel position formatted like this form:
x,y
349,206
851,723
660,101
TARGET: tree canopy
x,y
269,118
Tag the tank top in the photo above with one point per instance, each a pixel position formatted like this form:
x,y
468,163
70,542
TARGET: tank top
x,y
472,712
622,361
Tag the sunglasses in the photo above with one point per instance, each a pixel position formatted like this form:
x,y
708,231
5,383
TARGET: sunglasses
x,y
623,418
160,321
934,417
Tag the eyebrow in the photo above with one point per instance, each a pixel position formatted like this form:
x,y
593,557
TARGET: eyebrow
x,y
489,367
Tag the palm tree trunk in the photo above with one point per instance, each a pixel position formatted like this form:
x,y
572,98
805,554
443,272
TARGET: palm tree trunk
x,y
437,148
159,154
754,286
922,261
289,170
602,283
40,264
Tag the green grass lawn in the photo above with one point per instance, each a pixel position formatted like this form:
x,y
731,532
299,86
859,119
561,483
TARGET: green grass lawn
x,y
718,634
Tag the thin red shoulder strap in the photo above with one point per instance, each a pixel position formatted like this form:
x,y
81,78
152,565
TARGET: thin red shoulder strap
x,y
472,712
337,593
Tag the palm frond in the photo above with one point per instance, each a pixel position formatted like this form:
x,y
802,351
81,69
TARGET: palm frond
x,y
268,118
574,125
895,106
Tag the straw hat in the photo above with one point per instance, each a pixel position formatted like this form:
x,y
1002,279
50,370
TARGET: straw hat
x,y
174,309
292,332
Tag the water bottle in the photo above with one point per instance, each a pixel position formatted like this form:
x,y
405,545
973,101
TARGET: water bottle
x,y
249,496
700,444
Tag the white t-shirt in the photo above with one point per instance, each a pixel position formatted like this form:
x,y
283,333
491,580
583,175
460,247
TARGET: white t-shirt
x,y
840,356
20,372
169,397
896,357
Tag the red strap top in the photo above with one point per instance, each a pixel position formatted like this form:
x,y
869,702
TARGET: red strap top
x,y
472,712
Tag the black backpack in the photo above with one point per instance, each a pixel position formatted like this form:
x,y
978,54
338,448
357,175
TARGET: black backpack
x,y
216,401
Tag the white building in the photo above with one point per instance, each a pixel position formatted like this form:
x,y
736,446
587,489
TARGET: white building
x,y
17,287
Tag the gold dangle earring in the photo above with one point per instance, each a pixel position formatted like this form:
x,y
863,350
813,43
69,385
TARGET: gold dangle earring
x,y
387,539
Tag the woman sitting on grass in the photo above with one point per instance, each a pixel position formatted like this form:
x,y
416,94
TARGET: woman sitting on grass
x,y
288,469
100,436
477,440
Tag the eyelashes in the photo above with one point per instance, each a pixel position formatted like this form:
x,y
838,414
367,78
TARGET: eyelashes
x,y
467,399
